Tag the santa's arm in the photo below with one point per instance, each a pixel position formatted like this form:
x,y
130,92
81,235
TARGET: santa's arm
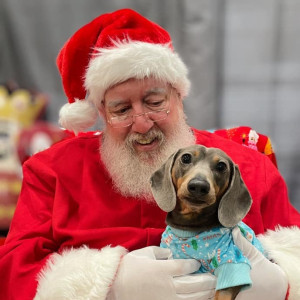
x,y
282,223
32,259
283,247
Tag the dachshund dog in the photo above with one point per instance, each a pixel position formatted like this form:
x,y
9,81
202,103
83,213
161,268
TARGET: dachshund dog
x,y
203,192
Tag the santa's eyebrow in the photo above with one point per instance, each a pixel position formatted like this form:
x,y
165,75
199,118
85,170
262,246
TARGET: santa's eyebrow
x,y
152,91
156,90
116,103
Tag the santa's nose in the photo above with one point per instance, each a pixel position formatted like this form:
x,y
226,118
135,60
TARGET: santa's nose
x,y
141,123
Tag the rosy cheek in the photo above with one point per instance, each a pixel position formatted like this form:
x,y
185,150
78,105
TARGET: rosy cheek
x,y
166,125
119,134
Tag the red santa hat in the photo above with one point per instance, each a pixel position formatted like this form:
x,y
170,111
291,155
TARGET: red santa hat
x,y
111,49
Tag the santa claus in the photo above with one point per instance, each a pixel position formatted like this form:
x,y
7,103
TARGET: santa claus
x,y
86,225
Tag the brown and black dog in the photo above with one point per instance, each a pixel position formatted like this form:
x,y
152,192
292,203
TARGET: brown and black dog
x,y
201,188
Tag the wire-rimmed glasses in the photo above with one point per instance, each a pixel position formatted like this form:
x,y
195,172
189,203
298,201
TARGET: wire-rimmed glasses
x,y
127,120
154,111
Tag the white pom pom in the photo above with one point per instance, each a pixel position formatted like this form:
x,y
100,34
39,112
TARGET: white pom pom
x,y
78,116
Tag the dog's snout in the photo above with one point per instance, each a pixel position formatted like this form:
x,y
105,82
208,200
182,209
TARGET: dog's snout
x,y
198,187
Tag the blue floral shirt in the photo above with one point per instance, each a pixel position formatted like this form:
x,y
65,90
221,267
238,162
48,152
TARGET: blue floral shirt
x,y
216,252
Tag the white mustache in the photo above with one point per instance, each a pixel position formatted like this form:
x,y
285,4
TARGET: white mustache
x,y
149,136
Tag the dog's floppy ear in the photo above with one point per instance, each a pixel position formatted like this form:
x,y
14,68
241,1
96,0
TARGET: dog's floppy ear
x,y
162,186
236,201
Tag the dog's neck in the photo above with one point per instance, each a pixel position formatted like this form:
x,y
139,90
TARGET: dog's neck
x,y
198,222
183,233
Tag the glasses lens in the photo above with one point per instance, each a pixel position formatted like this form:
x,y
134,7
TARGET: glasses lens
x,y
155,116
158,115
154,111
121,122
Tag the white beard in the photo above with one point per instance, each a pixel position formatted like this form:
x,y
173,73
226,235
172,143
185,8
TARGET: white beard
x,y
131,171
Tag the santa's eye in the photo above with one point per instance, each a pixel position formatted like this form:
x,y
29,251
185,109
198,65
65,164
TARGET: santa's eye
x,y
186,158
221,166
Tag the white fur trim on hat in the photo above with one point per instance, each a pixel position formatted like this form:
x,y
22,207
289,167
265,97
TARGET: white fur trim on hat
x,y
283,246
134,59
79,274
78,116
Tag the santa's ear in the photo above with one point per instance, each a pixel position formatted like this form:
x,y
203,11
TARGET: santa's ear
x,y
162,186
101,109
236,201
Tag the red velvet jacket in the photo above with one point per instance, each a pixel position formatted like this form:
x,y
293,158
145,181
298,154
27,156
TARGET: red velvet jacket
x,y
67,200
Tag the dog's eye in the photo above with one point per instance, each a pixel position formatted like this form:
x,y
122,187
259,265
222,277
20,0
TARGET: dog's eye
x,y
186,158
221,166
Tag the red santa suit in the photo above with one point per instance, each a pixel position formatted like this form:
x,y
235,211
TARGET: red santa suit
x,y
67,201
71,228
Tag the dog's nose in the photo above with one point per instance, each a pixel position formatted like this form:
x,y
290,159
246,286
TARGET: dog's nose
x,y
198,187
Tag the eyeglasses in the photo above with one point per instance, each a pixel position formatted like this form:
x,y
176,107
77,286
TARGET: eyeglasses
x,y
127,120
156,108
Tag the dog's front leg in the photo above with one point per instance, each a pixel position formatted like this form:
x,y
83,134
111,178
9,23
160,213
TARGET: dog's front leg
x,y
227,294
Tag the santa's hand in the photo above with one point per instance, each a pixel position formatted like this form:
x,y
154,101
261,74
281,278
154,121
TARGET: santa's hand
x,y
268,280
148,274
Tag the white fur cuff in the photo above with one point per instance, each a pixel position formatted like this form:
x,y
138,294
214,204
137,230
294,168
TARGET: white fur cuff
x,y
283,246
79,274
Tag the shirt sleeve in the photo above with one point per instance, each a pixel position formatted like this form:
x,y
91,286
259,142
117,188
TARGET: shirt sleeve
x,y
233,274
